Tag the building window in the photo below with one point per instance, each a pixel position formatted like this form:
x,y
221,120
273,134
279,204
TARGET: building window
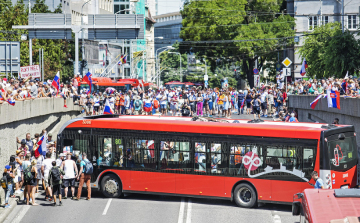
x,y
325,20
313,22
352,22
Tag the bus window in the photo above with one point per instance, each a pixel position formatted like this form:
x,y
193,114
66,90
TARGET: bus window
x,y
118,153
278,157
308,161
104,152
140,154
80,146
175,156
200,157
215,155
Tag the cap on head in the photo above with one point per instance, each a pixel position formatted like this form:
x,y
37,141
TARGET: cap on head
x,y
7,167
50,134
18,151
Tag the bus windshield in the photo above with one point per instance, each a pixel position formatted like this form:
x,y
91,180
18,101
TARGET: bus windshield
x,y
342,153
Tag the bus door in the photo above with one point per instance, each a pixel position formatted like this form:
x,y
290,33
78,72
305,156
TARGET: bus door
x,y
284,167
207,163
141,159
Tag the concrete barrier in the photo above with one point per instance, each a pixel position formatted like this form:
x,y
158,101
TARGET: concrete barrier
x,y
349,114
31,116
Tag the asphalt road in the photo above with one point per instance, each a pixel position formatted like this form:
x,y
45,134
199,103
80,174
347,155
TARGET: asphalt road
x,y
149,209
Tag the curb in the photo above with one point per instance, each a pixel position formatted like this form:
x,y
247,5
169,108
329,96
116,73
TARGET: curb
x,y
4,213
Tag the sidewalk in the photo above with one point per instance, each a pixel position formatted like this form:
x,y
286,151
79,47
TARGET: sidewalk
x,y
5,212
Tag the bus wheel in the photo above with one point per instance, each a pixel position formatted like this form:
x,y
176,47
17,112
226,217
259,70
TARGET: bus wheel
x,y
245,195
111,186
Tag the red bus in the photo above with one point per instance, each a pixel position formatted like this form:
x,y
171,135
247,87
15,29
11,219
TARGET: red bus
x,y
324,206
249,163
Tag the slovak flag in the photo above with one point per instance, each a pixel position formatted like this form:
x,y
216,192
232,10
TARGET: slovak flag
x,y
11,101
150,146
314,103
110,90
242,103
56,81
333,98
41,149
88,80
304,66
108,110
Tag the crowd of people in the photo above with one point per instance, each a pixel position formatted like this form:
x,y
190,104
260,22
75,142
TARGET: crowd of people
x,y
29,170
32,88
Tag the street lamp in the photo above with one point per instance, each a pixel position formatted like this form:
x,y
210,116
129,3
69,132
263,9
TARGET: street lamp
x,y
82,34
180,63
157,62
123,10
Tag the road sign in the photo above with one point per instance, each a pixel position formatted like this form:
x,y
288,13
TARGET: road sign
x,y
287,62
256,80
296,39
206,77
287,72
278,67
256,71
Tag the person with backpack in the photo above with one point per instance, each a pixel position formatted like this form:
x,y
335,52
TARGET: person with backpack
x,y
30,174
25,164
45,169
138,105
55,180
86,169
7,185
155,105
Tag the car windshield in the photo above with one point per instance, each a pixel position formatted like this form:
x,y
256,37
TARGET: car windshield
x,y
342,153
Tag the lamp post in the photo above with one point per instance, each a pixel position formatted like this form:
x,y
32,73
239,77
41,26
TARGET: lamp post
x,y
157,62
82,35
180,63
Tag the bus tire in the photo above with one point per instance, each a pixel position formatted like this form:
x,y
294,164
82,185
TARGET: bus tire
x,y
245,195
111,186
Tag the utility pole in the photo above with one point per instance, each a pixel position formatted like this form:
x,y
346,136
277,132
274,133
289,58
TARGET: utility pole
x,y
30,41
42,63
342,15
82,35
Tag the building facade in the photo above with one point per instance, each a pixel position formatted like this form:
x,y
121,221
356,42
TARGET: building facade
x,y
167,29
312,13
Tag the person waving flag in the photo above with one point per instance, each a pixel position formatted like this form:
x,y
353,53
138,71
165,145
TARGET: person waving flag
x,y
56,81
108,110
88,79
314,103
41,146
242,103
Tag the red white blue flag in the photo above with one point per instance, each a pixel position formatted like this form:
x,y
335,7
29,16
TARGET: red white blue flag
x,y
242,103
333,98
56,81
11,101
108,110
314,103
88,79
304,66
41,149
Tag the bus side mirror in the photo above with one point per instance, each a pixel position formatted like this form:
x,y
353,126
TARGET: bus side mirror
x,y
298,196
296,208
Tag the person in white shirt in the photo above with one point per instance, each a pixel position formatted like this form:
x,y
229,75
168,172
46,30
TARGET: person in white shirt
x,y
112,101
264,102
45,168
127,103
71,173
163,101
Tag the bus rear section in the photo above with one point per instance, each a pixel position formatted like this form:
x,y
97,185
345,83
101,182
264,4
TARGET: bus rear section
x,y
324,206
339,158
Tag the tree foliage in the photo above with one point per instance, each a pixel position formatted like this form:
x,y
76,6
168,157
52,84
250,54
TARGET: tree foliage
x,y
331,53
58,54
240,30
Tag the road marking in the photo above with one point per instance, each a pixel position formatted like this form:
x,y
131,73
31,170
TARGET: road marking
x,y
181,211
277,219
188,213
107,206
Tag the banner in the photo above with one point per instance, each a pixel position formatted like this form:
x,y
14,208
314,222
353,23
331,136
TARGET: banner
x,y
33,70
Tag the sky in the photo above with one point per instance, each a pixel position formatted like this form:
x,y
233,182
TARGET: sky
x,y
167,6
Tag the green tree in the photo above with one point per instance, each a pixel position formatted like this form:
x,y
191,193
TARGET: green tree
x,y
241,30
331,53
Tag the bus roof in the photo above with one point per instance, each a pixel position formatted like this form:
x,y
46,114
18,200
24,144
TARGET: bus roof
x,y
324,206
186,125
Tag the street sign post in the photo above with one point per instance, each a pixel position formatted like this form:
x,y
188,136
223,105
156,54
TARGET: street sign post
x,y
278,67
256,80
206,78
287,72
256,71
287,62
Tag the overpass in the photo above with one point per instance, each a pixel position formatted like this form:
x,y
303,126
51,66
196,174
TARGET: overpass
x,y
31,116
349,114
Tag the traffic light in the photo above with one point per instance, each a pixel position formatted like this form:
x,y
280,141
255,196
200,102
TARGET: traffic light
x,y
107,62
83,63
235,73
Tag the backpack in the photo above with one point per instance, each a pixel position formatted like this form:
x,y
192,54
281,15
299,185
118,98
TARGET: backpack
x,y
137,103
3,182
88,167
27,174
156,104
12,158
55,175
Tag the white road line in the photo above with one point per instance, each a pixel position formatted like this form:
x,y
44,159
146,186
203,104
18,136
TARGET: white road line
x,y
277,219
188,213
181,211
107,206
